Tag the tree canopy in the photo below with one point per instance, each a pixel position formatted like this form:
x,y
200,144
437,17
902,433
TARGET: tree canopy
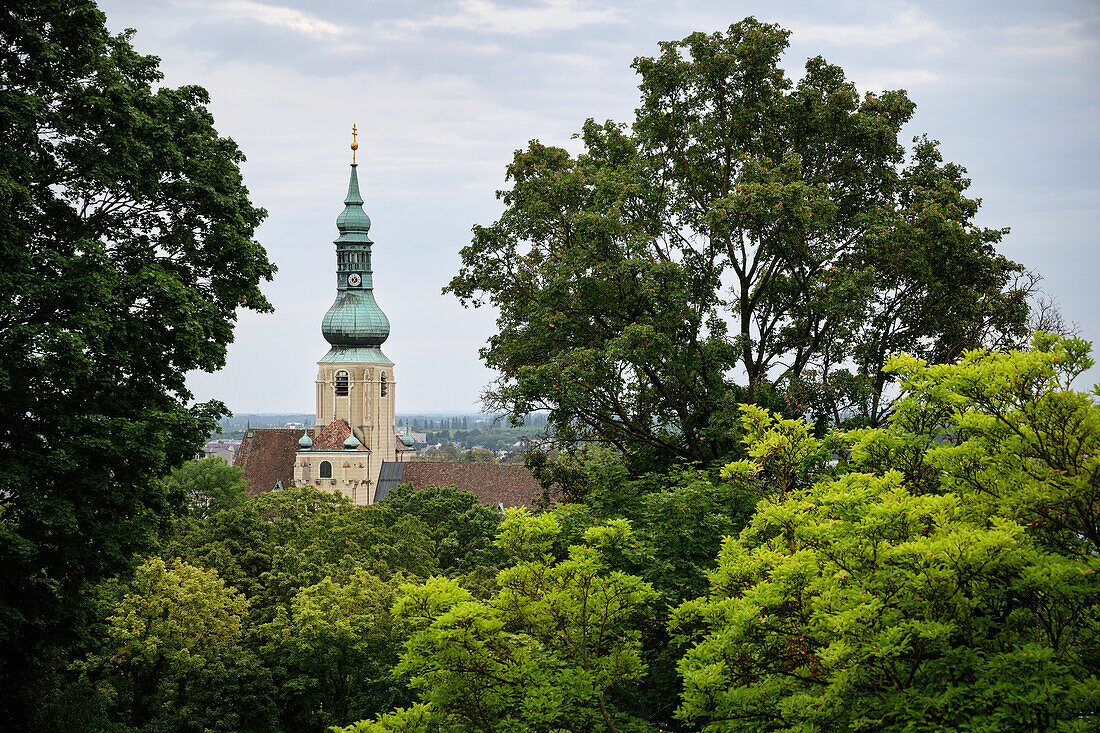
x,y
937,572
127,241
171,640
208,486
748,238
542,654
941,575
945,580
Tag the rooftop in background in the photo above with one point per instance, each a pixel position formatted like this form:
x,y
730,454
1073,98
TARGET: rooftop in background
x,y
267,458
494,483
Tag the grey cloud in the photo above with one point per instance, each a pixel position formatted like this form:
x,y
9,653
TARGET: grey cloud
x,y
443,92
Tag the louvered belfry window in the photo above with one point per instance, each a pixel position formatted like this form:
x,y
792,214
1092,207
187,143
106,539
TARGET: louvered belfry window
x,y
341,384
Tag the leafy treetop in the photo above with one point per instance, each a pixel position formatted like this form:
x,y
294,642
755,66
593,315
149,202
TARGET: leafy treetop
x,y
744,228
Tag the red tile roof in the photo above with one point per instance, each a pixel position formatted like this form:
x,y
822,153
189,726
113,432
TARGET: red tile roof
x,y
332,436
267,457
508,484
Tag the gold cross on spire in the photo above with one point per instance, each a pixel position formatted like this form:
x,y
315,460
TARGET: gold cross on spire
x,y
354,145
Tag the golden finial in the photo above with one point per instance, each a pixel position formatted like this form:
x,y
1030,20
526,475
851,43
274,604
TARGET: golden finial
x,y
354,145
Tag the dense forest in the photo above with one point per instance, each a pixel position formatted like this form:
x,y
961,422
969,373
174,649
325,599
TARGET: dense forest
x,y
817,463
938,572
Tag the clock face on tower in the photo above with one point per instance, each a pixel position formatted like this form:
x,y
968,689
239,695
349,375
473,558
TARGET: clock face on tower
x,y
355,280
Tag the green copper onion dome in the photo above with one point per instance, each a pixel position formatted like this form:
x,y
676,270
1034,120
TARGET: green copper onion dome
x,y
408,441
351,443
304,442
355,320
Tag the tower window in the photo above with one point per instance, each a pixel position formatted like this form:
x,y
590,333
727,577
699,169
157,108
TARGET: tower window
x,y
383,382
341,384
326,470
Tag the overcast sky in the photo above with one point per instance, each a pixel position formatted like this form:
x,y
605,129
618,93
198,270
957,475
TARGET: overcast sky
x,y
444,92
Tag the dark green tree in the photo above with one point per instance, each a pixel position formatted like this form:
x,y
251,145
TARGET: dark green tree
x,y
748,239
338,645
127,241
208,486
318,574
280,542
463,530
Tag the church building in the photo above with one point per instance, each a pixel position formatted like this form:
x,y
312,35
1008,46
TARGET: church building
x,y
354,442
355,385
356,390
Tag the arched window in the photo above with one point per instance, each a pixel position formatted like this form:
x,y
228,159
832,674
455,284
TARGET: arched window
x,y
326,470
383,382
341,383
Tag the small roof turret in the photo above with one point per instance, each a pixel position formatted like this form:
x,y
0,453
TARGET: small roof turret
x,y
305,442
351,442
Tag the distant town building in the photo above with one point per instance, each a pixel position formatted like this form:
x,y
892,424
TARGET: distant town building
x,y
224,449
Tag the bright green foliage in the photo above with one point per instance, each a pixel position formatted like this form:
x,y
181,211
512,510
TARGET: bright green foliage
x,y
175,615
172,638
1012,437
782,454
126,237
337,645
680,518
461,528
417,718
208,486
611,270
857,605
683,516
932,592
546,653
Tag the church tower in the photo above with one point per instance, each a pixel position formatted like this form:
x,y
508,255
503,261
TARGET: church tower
x,y
354,432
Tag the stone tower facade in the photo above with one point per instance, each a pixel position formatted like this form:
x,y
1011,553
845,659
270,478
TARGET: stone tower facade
x,y
356,414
